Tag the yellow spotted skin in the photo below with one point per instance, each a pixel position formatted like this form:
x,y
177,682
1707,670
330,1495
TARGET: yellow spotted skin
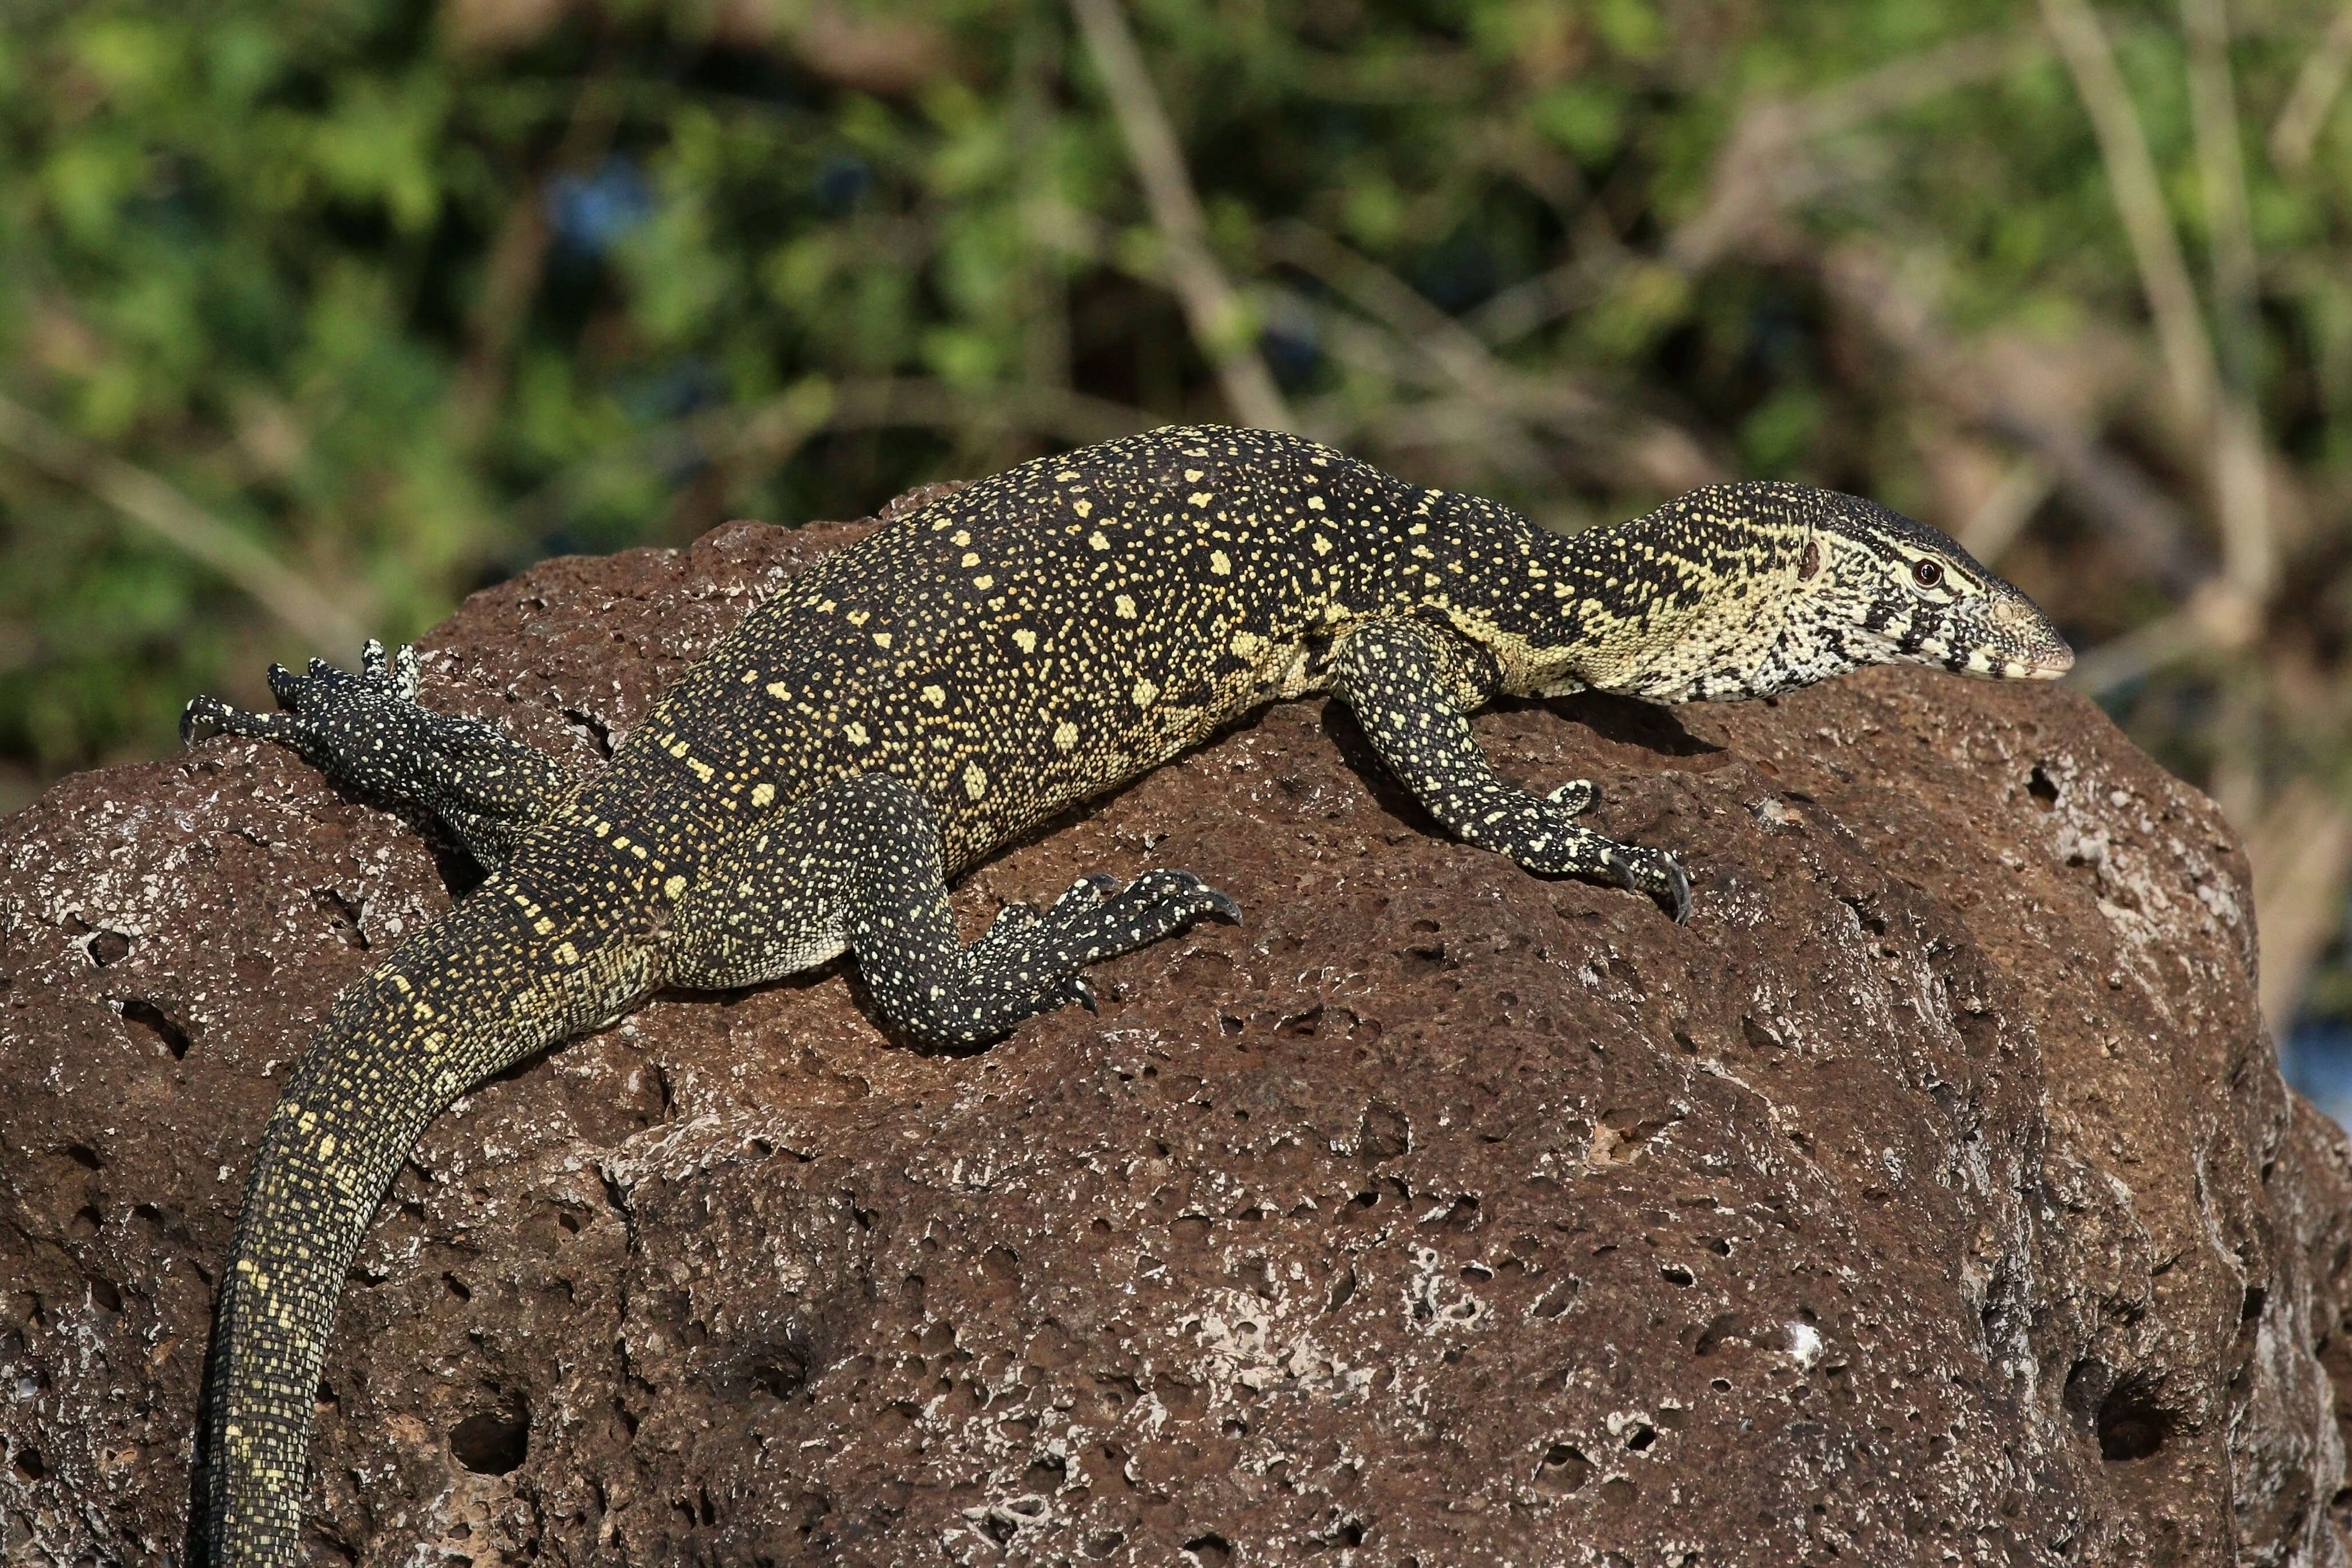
x,y
959,676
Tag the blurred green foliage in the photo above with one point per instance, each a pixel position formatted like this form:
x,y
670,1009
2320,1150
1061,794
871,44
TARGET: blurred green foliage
x,y
411,296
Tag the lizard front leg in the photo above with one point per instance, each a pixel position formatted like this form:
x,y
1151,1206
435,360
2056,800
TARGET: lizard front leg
x,y
858,866
1411,686
367,733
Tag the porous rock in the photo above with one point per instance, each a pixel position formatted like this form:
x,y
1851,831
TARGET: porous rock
x,y
1932,1197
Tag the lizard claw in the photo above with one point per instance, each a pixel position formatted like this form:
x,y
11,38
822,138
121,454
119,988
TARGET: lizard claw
x,y
1662,877
1678,892
202,718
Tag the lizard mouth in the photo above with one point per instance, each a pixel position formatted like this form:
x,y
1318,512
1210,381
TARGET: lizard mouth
x,y
2025,646
2047,666
2047,662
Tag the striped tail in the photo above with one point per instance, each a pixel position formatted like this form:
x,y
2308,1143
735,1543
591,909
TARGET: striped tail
x,y
491,981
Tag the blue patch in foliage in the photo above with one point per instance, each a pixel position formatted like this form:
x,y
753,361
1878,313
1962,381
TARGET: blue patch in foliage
x,y
842,183
665,391
590,211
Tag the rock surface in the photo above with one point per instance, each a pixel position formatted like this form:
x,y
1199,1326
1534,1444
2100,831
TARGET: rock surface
x,y
1931,1197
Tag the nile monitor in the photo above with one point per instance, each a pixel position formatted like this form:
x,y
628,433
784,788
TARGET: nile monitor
x,y
954,679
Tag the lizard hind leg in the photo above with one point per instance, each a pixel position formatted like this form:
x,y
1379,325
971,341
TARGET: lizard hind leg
x,y
368,733
858,866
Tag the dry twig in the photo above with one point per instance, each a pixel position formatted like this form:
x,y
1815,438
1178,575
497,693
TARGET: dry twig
x,y
2139,202
301,605
1768,163
2001,516
1647,451
2241,497
2297,128
1220,322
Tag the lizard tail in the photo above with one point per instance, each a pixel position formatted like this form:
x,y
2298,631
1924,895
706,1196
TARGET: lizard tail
x,y
491,981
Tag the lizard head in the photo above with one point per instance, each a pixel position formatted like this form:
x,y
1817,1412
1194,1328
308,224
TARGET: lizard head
x,y
1741,590
1876,587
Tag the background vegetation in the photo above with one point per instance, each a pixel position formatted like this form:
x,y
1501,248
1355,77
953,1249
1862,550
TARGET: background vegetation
x,y
315,314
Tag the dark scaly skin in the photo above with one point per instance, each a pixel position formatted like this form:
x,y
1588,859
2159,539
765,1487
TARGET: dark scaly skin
x,y
958,677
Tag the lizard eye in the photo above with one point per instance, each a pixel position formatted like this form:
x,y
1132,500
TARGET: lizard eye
x,y
1927,573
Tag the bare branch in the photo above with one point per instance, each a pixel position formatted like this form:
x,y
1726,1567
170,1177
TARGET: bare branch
x,y
2001,516
1767,164
1630,448
1220,322
2297,128
2242,498
2139,202
302,606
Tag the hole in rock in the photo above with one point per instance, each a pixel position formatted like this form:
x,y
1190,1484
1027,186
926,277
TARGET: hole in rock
x,y
590,728
1711,1337
2131,1424
1210,1550
1564,1469
780,1376
342,914
1383,1133
492,1443
146,1015
2043,789
1341,1289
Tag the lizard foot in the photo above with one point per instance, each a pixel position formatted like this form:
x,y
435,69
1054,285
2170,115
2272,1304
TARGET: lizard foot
x,y
1096,918
367,733
1652,871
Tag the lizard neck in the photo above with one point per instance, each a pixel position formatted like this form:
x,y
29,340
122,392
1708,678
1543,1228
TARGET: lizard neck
x,y
1670,607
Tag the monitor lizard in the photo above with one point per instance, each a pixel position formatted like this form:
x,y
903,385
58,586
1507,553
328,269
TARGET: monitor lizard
x,y
810,786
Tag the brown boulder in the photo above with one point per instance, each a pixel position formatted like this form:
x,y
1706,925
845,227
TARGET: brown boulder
x,y
1932,1197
